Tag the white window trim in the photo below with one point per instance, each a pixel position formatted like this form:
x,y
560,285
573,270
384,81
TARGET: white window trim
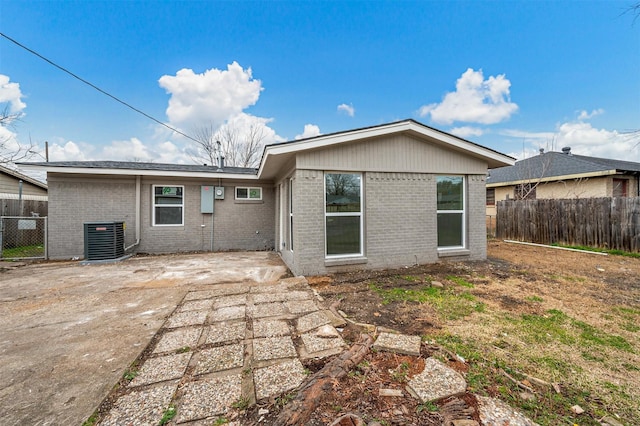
x,y
463,211
154,205
290,188
248,188
344,214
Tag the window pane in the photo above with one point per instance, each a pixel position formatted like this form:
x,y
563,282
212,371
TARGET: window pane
x,y
242,193
449,229
343,192
168,195
343,235
168,215
450,193
255,193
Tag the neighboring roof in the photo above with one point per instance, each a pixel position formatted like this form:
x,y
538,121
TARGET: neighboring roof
x,y
146,169
276,155
550,166
25,178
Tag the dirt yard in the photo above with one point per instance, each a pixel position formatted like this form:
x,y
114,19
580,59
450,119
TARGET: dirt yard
x,y
542,329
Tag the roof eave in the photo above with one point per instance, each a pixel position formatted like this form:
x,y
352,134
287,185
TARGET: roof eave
x,y
139,172
554,178
493,158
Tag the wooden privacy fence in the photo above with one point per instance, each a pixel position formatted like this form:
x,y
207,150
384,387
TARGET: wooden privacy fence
x,y
23,207
612,223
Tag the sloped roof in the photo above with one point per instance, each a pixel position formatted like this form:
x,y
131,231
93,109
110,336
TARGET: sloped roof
x,y
276,155
134,167
23,177
556,166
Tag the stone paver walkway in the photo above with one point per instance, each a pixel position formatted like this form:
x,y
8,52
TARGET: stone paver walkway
x,y
227,346
234,345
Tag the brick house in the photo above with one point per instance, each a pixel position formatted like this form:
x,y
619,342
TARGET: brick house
x,y
384,196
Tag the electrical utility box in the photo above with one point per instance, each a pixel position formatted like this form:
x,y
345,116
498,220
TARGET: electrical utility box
x,y
206,199
219,192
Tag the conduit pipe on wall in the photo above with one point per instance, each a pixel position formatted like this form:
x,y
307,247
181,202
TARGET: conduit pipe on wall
x,y
138,209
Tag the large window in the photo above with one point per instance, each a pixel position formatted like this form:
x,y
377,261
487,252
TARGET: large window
x,y
168,205
343,214
451,205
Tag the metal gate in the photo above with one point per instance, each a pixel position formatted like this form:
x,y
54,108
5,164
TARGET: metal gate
x,y
23,237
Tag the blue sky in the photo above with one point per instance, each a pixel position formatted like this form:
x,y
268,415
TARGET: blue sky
x,y
511,75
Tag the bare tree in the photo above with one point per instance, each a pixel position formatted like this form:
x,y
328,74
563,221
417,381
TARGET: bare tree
x,y
10,152
240,147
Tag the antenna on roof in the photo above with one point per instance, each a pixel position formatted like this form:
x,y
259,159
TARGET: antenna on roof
x,y
220,156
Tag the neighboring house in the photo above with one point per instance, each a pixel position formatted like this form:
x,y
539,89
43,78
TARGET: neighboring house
x,y
562,175
17,186
384,196
10,186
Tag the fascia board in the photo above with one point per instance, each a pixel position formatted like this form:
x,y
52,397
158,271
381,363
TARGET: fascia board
x,y
554,178
135,172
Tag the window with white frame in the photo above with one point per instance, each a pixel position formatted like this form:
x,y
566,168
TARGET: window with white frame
x,y
451,212
168,205
343,214
248,193
291,214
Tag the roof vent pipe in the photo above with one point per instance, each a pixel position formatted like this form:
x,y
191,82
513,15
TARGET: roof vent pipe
x,y
541,151
566,150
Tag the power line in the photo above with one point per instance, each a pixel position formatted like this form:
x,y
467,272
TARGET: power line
x,y
173,129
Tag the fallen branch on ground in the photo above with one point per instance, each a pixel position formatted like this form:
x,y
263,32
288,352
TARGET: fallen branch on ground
x,y
298,411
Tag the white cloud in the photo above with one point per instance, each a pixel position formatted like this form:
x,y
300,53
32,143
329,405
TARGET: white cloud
x,y
347,109
584,115
70,151
466,131
310,130
10,93
475,100
583,138
209,98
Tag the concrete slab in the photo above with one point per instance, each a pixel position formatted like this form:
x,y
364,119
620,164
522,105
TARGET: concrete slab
x,y
273,348
226,332
184,319
162,368
141,407
278,378
311,321
398,343
68,332
499,413
208,397
268,310
178,339
270,328
219,358
301,306
436,381
316,346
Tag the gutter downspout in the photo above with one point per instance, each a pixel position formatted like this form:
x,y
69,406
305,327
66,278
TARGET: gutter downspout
x,y
138,190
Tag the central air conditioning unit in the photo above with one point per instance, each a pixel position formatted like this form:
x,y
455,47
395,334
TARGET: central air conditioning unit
x,y
103,240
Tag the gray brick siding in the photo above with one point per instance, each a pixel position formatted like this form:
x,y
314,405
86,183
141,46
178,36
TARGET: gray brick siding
x,y
238,225
400,222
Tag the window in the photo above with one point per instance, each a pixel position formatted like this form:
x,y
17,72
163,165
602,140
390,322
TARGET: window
x,y
291,214
451,216
244,193
620,187
343,214
525,191
491,196
168,205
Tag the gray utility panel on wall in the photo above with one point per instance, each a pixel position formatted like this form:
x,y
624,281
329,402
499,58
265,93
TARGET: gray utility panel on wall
x,y
206,199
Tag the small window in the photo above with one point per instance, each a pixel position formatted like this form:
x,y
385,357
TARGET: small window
x,y
491,196
620,187
451,212
168,205
245,193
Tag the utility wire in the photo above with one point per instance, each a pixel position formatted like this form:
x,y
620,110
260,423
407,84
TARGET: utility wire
x,y
173,129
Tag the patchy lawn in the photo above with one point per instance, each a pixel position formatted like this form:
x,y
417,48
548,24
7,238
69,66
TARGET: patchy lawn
x,y
542,329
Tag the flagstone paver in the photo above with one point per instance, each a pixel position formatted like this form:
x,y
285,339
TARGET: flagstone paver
x,y
436,381
220,358
278,378
144,407
162,368
273,348
209,397
398,343
180,338
226,331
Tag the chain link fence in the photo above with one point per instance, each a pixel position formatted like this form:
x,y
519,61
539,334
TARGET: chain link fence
x,y
23,237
